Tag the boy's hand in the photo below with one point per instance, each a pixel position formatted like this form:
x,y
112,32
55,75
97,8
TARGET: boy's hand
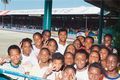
x,y
48,72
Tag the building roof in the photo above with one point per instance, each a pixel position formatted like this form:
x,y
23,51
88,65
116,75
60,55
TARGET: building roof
x,y
56,11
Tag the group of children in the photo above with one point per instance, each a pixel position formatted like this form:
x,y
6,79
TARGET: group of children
x,y
58,60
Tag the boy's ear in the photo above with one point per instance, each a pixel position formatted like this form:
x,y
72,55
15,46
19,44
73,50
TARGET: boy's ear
x,y
86,60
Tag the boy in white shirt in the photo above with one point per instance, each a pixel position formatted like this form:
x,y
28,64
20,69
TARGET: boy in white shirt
x,y
55,70
14,53
81,59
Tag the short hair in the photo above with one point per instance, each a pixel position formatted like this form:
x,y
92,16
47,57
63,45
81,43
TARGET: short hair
x,y
13,47
44,31
114,55
104,47
37,33
62,30
90,38
58,56
95,45
109,35
51,39
26,40
82,51
96,65
46,49
70,66
69,53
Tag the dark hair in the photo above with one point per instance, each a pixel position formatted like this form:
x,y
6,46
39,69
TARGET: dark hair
x,y
58,56
77,40
96,65
37,33
90,38
108,35
62,30
82,51
44,31
103,47
26,40
51,39
95,52
95,45
68,46
114,55
13,47
70,66
46,49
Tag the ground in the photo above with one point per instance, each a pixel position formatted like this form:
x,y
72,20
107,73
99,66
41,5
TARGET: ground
x,y
8,38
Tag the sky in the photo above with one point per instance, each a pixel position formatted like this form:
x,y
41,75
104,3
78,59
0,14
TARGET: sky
x,y
39,4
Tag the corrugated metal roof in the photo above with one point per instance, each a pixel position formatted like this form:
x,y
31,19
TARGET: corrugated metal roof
x,y
57,11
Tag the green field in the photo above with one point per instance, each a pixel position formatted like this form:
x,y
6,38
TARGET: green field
x,y
8,38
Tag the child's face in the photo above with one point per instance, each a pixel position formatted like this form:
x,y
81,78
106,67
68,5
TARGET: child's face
x,y
26,48
103,54
57,64
68,58
37,40
69,74
43,56
71,49
52,47
62,36
77,44
15,56
81,39
111,63
46,36
94,57
94,73
88,43
80,60
96,49
107,41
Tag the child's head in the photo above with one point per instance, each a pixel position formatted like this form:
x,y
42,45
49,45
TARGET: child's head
x,y
81,59
62,34
14,53
81,38
95,48
107,40
46,35
94,57
88,42
77,44
68,58
70,48
44,55
94,71
37,37
112,62
69,73
104,51
52,45
57,60
26,46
